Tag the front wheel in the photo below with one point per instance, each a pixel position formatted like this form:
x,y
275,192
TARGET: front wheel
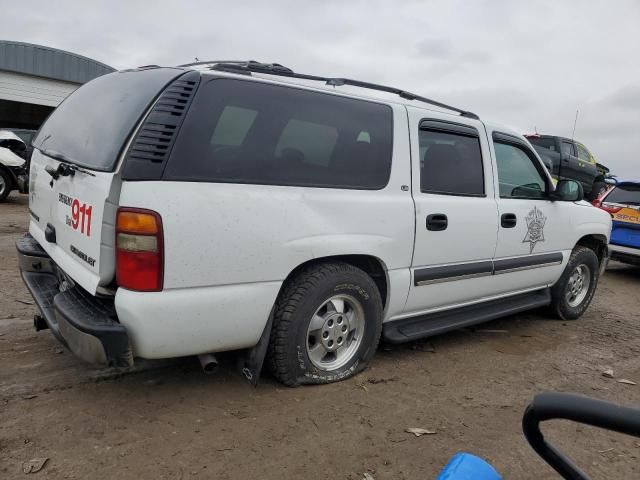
x,y
572,294
326,325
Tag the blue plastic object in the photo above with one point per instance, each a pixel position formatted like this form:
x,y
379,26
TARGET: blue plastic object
x,y
464,466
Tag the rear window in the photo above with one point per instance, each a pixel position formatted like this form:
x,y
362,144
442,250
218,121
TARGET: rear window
x,y
248,132
548,143
629,194
91,126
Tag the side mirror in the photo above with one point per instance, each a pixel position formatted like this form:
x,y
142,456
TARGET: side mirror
x,y
548,163
568,191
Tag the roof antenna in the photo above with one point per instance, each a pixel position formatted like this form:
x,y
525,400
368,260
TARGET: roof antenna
x,y
574,125
535,129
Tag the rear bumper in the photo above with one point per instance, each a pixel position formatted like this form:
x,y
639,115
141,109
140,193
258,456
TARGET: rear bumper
x,y
87,325
624,254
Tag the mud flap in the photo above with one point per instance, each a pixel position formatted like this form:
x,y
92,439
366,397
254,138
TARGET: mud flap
x,y
254,357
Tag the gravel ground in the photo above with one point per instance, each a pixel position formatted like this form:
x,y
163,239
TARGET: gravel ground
x,y
168,420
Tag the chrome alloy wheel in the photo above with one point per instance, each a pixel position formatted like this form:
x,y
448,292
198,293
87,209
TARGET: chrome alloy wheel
x,y
335,332
578,285
3,185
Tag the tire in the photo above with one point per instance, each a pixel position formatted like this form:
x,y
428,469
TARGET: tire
x,y
339,298
571,295
6,182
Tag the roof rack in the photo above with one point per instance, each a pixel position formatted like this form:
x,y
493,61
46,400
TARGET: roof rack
x,y
211,62
277,69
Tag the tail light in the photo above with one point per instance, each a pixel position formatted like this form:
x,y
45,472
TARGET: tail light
x,y
139,250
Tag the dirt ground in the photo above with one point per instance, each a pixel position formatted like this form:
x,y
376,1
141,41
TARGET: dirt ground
x,y
168,420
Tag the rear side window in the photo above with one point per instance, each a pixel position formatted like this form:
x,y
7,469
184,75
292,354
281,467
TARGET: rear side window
x,y
627,194
232,126
248,132
567,149
450,164
548,143
90,127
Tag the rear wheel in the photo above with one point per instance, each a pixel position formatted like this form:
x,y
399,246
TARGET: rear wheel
x,y
573,293
327,325
5,184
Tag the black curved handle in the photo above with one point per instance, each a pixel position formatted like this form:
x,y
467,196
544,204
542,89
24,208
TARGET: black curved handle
x,y
437,222
577,408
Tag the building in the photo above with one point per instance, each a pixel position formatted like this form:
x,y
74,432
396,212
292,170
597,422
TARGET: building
x,y
34,80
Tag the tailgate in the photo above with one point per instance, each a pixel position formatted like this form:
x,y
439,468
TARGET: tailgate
x,y
74,179
79,212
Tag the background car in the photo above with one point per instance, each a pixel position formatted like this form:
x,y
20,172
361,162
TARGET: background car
x,y
13,165
26,136
623,203
566,158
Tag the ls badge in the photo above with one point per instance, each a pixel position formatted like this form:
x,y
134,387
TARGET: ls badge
x,y
535,228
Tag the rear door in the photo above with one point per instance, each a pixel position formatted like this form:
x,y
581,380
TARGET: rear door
x,y
74,185
456,212
569,163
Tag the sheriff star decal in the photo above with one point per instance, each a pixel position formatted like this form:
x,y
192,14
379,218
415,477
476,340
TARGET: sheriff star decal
x,y
535,228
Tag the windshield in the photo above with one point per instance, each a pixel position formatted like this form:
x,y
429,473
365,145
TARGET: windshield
x,y
629,194
91,126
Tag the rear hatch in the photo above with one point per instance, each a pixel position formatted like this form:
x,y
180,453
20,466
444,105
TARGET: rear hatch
x,y
623,202
74,180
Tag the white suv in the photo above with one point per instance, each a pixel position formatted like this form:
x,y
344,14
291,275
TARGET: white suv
x,y
242,206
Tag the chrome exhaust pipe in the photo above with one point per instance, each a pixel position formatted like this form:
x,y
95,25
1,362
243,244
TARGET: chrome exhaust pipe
x,y
209,363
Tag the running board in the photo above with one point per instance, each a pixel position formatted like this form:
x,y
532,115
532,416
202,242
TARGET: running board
x,y
413,328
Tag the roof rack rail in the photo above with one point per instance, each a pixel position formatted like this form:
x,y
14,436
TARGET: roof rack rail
x,y
277,69
211,62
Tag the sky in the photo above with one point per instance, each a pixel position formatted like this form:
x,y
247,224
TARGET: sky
x,y
526,64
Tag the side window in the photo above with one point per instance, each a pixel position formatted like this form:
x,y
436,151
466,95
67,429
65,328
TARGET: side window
x,y
310,141
518,176
543,142
232,127
450,163
239,131
583,153
567,148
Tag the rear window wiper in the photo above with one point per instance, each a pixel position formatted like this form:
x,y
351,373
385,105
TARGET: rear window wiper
x,y
65,168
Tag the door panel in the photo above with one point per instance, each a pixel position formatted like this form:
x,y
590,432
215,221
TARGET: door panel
x,y
456,212
534,247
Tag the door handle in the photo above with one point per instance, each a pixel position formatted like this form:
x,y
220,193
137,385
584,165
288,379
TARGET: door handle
x,y
508,220
437,222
